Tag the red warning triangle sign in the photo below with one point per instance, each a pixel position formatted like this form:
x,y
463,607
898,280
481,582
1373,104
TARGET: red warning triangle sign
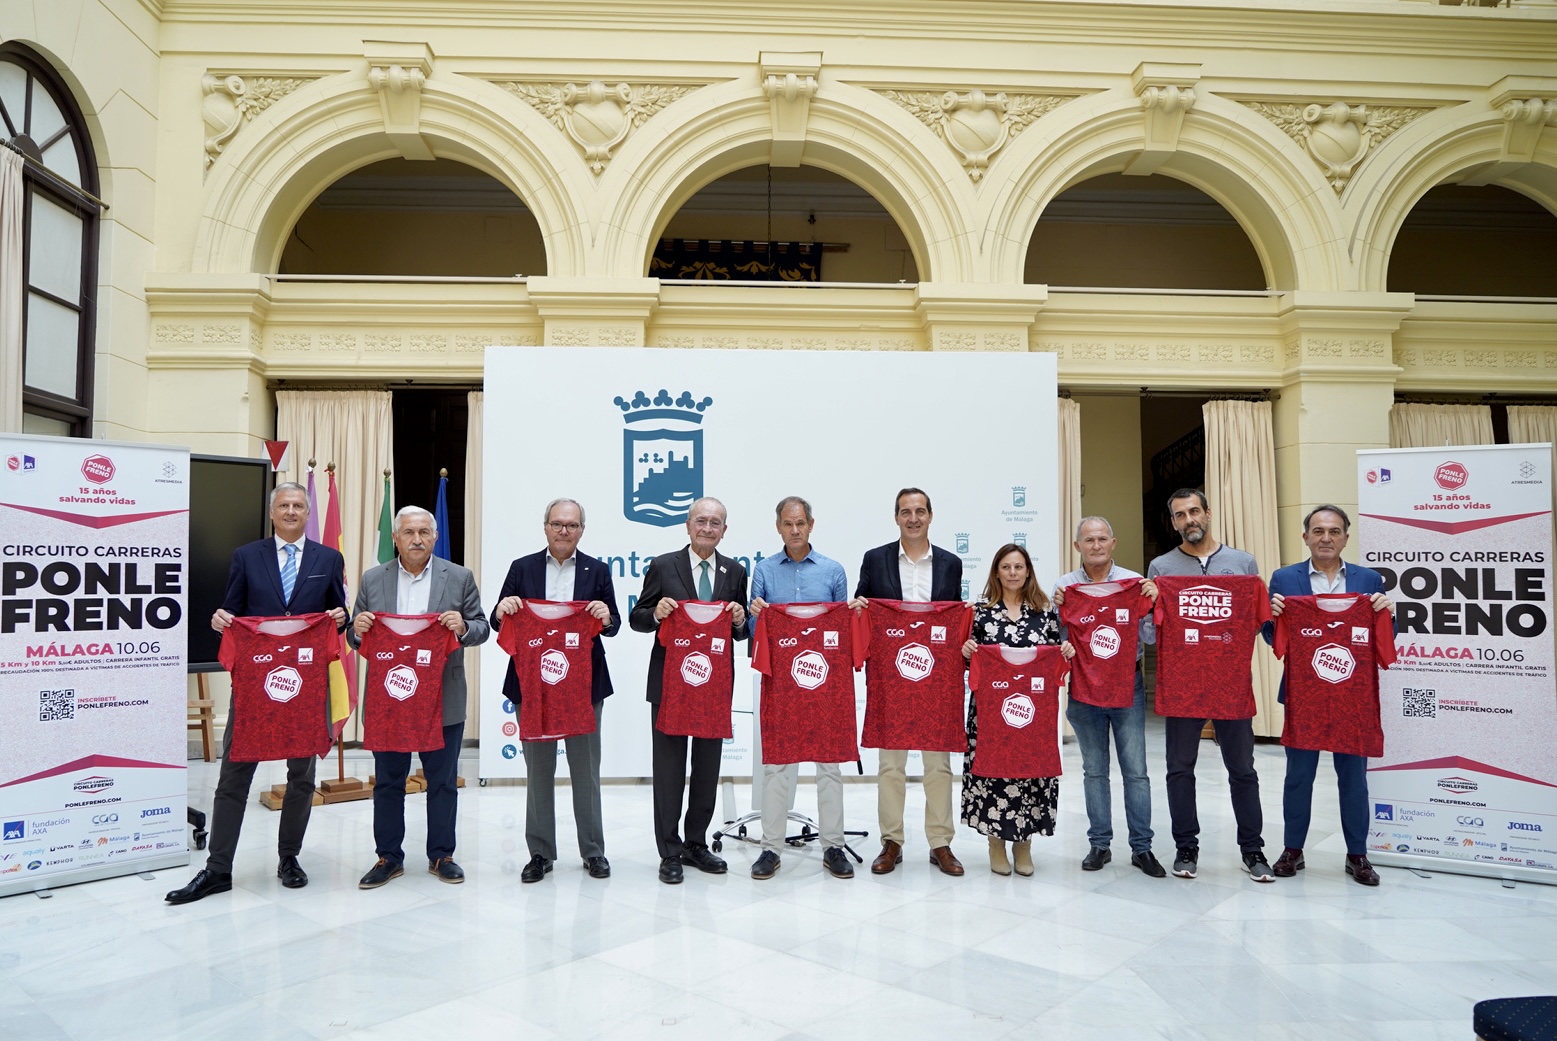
x,y
277,453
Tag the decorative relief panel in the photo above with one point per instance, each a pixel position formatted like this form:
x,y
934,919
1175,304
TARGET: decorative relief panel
x,y
782,343
1216,353
338,343
382,343
975,125
175,333
1132,352
1255,353
225,333
1366,349
232,100
1481,359
1519,360
595,117
1337,136
1318,348
429,343
1550,359
1441,359
292,341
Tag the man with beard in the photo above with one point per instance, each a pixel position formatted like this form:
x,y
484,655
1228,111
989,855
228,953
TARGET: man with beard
x,y
1199,554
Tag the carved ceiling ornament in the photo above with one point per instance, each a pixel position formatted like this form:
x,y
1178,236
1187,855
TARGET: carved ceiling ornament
x,y
1338,136
232,100
598,118
975,125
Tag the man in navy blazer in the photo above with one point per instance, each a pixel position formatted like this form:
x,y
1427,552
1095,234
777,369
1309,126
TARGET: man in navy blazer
x,y
912,569
256,582
561,572
1326,530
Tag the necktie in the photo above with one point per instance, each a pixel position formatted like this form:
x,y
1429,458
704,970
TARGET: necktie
x,y
289,574
705,588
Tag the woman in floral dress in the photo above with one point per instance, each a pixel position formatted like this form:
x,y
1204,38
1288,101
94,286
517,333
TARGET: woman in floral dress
x,y
1014,611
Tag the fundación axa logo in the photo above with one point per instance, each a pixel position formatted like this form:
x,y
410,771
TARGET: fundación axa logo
x,y
662,456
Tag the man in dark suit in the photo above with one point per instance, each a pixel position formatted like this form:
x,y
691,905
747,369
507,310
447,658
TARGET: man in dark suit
x,y
696,572
912,569
283,575
420,583
1326,530
561,572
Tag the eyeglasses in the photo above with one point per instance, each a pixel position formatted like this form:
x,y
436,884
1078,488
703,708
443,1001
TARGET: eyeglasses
x,y
561,528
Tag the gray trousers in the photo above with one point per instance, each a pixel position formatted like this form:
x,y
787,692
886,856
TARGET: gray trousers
x,y
778,798
540,768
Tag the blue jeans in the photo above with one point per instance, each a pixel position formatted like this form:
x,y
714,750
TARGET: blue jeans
x,y
441,766
1297,798
1091,725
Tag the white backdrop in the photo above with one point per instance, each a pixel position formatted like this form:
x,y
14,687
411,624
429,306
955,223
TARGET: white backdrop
x,y
843,429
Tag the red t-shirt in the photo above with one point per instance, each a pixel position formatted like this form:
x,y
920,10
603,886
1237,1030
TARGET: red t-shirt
x,y
551,643
914,675
1206,628
1103,621
402,706
698,683
1018,703
807,654
1334,646
280,685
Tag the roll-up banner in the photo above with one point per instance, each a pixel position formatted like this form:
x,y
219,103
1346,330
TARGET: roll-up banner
x,y
635,434
93,698
1463,538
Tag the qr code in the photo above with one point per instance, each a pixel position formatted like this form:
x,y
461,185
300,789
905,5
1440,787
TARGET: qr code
x,y
1421,703
56,704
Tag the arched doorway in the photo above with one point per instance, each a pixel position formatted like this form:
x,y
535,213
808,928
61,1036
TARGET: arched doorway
x,y
1475,241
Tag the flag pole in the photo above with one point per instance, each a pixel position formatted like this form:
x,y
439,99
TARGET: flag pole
x,y
340,741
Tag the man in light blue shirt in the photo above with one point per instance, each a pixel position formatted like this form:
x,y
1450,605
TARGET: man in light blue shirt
x,y
799,575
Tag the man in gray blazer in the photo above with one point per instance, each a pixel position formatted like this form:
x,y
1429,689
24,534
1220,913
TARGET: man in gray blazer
x,y
420,583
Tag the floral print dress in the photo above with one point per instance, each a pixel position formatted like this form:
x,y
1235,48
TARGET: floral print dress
x,y
1013,810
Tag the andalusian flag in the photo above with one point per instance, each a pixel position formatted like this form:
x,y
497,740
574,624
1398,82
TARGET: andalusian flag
x,y
343,673
386,527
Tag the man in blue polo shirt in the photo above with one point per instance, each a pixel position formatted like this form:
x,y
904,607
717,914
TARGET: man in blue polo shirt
x,y
799,575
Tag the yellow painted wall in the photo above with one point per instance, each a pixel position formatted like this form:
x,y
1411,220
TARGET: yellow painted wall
x,y
1110,470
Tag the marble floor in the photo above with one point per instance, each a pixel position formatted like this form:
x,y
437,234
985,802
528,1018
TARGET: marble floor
x,y
914,954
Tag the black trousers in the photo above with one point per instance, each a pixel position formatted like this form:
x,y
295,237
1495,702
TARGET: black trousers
x,y
1236,737
232,797
441,766
670,773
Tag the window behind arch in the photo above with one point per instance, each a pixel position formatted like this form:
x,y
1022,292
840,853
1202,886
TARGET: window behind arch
x,y
40,119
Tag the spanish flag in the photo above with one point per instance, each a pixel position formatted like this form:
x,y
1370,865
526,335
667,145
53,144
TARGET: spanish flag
x,y
343,673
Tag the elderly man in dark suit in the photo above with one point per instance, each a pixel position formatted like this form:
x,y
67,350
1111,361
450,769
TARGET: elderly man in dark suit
x,y
419,583
695,572
561,572
912,569
1326,531
283,575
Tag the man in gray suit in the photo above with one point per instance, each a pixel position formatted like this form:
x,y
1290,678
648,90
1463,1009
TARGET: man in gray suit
x,y
420,583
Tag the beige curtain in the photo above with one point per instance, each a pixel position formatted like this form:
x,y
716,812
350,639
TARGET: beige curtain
x,y
354,429
1241,486
11,202
1070,482
1531,424
473,555
1431,426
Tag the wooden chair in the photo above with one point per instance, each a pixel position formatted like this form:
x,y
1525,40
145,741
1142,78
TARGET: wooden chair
x,y
202,715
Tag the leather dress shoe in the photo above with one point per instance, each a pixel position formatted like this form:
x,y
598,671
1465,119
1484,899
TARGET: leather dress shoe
x,y
598,867
891,856
535,870
1361,870
836,861
1096,857
670,871
943,858
446,870
380,874
291,873
1147,861
201,886
698,856
767,865
1289,863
